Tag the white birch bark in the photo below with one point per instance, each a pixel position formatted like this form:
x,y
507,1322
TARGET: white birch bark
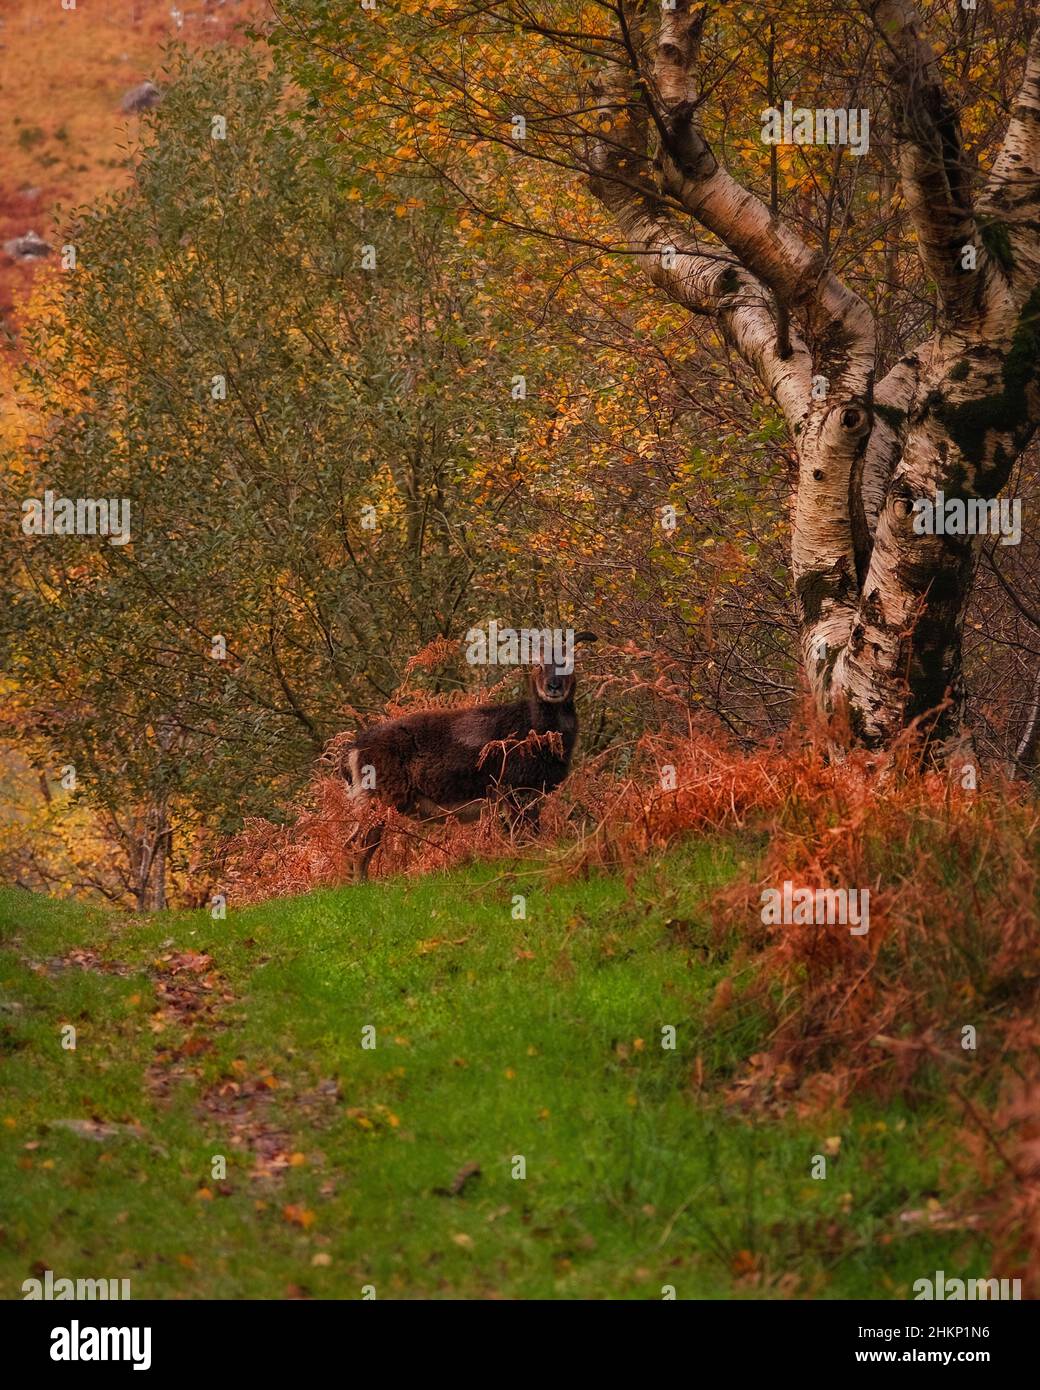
x,y
881,606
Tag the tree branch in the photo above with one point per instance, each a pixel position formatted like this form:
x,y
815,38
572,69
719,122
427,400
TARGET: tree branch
x,y
838,324
934,174
1012,196
702,280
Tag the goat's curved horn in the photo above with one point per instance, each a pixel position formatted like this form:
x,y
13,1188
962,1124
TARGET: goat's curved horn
x,y
585,637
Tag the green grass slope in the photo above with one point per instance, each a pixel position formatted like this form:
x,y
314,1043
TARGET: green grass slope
x,y
523,1039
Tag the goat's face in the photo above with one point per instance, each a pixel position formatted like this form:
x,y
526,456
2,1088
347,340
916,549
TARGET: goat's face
x,y
553,684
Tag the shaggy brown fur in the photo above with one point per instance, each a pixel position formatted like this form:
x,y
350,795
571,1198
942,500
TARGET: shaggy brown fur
x,y
429,765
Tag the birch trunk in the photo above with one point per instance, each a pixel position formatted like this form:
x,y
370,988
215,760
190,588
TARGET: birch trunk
x,y
881,604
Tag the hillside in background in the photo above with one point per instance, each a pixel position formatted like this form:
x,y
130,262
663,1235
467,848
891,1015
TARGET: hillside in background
x,y
63,75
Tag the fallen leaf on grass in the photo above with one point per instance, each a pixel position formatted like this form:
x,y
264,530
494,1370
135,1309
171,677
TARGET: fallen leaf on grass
x,y
298,1216
425,947
940,1219
193,961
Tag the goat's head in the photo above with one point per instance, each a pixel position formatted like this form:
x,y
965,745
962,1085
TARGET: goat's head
x,y
553,682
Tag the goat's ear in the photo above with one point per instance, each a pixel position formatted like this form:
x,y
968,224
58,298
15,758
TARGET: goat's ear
x,y
585,637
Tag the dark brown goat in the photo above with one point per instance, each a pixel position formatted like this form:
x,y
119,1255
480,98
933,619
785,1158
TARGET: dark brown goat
x,y
429,765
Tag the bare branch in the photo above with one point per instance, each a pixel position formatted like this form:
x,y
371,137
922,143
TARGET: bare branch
x,y
839,325
701,279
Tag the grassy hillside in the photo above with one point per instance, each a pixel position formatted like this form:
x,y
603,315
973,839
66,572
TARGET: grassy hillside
x,y
497,1037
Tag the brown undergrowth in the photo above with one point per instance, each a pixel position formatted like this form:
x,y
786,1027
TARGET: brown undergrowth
x,y
939,998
